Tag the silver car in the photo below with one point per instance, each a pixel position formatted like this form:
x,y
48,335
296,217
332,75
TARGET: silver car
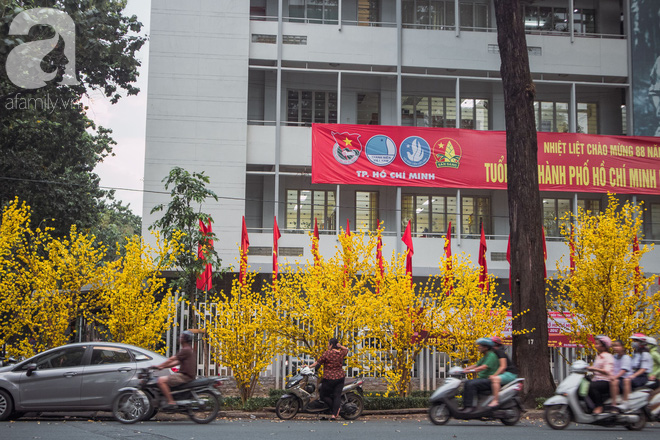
x,y
75,377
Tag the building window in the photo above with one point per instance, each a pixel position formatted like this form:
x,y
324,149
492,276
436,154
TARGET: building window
x,y
545,18
314,11
591,206
476,211
584,21
305,205
431,111
438,14
654,211
428,214
306,106
366,210
368,108
553,116
368,12
553,211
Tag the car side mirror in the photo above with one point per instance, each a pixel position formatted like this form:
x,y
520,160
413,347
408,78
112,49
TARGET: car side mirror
x,y
31,368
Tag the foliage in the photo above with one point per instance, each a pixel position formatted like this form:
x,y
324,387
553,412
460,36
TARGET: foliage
x,y
116,225
605,294
470,313
129,290
181,216
48,145
46,283
315,302
48,158
239,336
106,44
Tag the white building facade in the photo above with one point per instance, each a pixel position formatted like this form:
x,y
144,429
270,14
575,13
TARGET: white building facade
x,y
234,86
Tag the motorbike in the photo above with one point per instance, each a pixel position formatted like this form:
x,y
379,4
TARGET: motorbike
x,y
567,405
5,361
444,405
200,399
653,409
302,396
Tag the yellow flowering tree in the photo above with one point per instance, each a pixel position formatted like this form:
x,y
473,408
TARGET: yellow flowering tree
x,y
239,335
470,311
46,284
315,302
606,292
137,307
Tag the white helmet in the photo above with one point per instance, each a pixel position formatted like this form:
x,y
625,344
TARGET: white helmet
x,y
306,371
651,341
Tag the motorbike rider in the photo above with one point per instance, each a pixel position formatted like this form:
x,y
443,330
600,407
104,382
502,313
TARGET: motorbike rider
x,y
652,343
506,372
334,375
621,369
642,365
187,370
599,389
485,367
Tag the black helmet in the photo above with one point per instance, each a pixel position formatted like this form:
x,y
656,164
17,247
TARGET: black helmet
x,y
187,336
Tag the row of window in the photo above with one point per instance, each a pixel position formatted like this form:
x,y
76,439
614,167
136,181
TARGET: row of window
x,y
439,14
431,214
306,106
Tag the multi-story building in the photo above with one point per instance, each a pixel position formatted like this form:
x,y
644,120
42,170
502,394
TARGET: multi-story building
x,y
235,86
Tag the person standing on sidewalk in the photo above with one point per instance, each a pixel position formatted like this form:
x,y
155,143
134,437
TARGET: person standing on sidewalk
x,y
333,375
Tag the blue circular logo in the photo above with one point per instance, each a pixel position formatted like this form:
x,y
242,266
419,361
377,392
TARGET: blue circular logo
x,y
380,150
415,151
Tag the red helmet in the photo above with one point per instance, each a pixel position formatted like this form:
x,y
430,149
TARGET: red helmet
x,y
641,337
496,339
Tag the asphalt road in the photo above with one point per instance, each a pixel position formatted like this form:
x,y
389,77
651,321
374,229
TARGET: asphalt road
x,y
380,428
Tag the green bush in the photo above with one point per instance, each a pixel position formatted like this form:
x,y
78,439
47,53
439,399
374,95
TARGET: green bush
x,y
540,401
252,404
381,402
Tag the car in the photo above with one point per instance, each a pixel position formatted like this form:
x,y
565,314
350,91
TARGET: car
x,y
84,376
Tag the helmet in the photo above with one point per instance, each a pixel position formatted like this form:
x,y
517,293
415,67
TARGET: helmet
x,y
641,337
651,341
486,342
605,340
496,340
187,336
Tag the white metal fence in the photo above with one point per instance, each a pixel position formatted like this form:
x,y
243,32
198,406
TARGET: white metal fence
x,y
431,365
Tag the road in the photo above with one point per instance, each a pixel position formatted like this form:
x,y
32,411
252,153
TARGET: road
x,y
373,428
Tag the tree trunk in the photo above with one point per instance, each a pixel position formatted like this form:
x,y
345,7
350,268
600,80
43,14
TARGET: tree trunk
x,y
530,350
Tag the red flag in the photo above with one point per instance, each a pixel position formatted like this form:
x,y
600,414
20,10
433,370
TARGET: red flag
x,y
638,273
315,243
245,244
483,275
448,277
276,236
545,253
204,279
407,239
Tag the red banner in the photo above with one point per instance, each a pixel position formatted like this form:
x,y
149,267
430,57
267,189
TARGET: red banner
x,y
456,158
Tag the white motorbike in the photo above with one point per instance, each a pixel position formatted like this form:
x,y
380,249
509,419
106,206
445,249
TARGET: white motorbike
x,y
444,405
566,405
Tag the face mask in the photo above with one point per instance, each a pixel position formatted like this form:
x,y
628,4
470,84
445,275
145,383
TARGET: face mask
x,y
636,345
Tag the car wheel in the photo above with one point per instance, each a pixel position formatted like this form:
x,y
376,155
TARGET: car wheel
x,y
205,409
130,406
353,406
6,405
287,407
